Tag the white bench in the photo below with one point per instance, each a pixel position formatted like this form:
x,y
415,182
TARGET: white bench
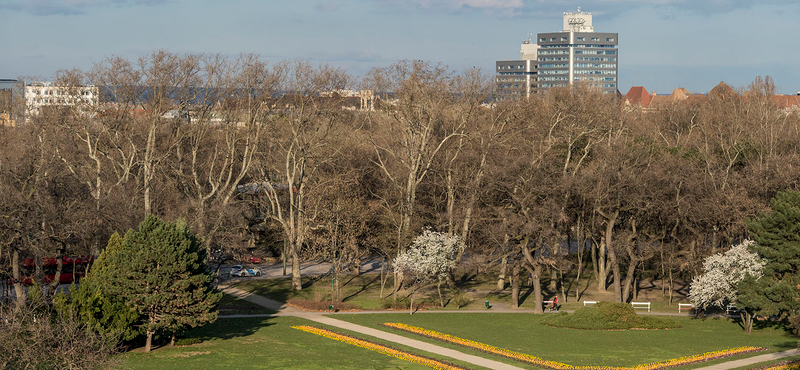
x,y
588,302
731,308
549,305
641,305
685,306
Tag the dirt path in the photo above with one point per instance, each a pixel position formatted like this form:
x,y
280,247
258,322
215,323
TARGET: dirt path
x,y
282,309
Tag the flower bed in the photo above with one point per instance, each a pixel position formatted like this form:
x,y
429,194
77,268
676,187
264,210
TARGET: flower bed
x,y
708,356
425,361
783,365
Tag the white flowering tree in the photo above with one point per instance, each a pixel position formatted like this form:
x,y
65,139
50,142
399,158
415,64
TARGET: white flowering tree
x,y
430,257
723,272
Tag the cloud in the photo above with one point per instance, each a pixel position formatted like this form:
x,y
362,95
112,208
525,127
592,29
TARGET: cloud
x,y
546,8
69,7
326,7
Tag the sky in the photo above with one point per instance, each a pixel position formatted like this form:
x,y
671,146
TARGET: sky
x,y
663,44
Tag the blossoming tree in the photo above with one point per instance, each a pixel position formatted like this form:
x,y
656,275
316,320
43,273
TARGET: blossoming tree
x,y
723,273
430,257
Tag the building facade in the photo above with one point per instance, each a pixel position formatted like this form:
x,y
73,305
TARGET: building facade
x,y
42,94
576,54
517,78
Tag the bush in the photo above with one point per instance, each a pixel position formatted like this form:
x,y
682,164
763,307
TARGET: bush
x,y
309,305
37,336
460,300
608,316
402,303
187,341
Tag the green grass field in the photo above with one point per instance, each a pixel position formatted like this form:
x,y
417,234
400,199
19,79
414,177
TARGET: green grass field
x,y
523,333
230,305
264,343
270,343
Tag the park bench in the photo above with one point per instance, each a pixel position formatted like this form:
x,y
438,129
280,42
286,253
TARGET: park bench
x,y
641,305
685,306
588,302
731,308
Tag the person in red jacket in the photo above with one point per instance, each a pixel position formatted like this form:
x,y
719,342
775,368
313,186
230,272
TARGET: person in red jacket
x,y
554,305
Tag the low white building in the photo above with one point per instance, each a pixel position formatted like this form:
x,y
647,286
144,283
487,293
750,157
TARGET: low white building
x,y
42,94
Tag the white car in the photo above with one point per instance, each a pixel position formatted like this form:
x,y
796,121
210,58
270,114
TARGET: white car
x,y
239,270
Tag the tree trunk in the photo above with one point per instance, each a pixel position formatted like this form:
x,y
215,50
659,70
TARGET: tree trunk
x,y
552,285
439,289
149,343
537,288
747,321
19,289
515,284
383,277
57,276
581,247
629,277
501,280
297,283
602,266
172,340
612,255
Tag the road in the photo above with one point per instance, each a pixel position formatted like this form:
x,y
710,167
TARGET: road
x,y
272,271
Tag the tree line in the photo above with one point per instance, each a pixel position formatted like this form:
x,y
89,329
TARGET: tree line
x,y
277,156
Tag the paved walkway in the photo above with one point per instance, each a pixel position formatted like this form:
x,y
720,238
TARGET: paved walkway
x,y
282,309
751,360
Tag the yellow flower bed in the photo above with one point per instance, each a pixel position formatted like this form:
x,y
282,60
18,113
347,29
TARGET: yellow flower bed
x,y
561,366
378,348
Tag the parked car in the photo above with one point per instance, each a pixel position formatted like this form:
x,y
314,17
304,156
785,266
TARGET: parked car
x,y
239,270
254,259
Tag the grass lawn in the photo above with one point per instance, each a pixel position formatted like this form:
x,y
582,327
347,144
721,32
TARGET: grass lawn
x,y
230,305
364,291
264,343
523,333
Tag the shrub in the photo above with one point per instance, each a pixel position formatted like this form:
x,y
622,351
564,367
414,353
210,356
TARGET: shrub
x,y
401,303
460,300
186,341
608,316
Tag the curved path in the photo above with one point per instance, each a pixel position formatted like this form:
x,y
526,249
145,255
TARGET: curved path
x,y
283,309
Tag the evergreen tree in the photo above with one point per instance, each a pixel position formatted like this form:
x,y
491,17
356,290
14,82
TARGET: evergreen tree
x,y
161,272
96,305
777,237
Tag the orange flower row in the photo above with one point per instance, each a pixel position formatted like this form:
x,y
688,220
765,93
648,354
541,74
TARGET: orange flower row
x,y
438,365
562,366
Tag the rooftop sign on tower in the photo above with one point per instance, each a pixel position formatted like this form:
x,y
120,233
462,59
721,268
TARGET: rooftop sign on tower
x,y
579,21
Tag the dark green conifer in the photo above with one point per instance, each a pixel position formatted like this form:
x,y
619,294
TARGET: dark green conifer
x,y
777,237
161,273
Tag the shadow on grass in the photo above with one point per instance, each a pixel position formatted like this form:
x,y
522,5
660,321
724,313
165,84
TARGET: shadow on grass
x,y
361,289
229,328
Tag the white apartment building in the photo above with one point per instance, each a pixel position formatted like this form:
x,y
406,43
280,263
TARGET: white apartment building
x,y
42,94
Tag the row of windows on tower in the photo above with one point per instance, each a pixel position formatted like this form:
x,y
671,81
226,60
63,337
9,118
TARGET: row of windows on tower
x,y
609,39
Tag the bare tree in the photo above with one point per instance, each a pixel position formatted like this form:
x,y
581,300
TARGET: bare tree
x,y
303,137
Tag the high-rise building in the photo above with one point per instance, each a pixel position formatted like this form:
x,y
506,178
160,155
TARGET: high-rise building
x,y
517,78
576,54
